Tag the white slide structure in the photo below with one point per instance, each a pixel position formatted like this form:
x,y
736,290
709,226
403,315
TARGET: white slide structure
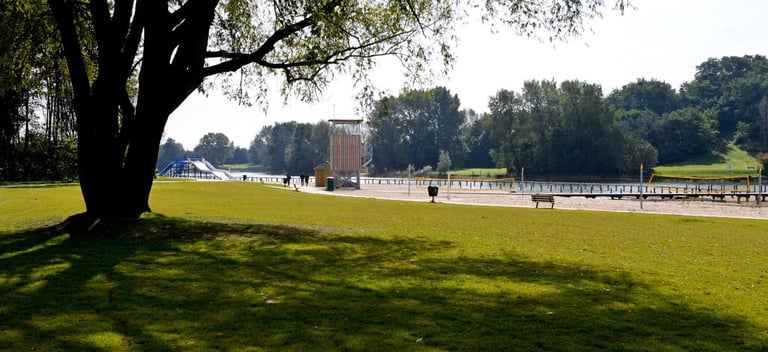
x,y
205,166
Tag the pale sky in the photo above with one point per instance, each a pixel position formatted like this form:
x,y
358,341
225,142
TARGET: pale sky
x,y
661,39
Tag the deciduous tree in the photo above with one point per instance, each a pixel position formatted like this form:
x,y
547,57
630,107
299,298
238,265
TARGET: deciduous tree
x,y
170,47
685,133
414,127
215,148
656,96
548,129
169,151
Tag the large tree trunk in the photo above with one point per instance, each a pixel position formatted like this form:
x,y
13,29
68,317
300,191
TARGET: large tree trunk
x,y
117,144
116,177
117,152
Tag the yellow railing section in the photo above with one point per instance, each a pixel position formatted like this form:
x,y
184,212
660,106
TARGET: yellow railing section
x,y
699,184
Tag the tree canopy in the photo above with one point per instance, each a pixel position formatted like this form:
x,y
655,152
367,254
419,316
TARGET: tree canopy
x,y
414,127
735,88
548,128
215,148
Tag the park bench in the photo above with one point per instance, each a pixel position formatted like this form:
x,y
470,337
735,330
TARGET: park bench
x,y
543,198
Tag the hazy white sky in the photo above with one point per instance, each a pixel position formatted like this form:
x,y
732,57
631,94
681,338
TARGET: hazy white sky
x,y
661,39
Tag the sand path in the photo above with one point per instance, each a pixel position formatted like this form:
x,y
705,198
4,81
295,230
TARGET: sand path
x,y
694,207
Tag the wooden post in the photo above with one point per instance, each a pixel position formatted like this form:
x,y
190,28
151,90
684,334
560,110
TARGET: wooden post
x,y
641,186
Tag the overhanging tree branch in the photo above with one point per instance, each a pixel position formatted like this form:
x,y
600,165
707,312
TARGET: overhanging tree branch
x,y
335,57
268,45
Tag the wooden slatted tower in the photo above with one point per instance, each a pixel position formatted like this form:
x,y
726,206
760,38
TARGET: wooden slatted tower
x,y
346,152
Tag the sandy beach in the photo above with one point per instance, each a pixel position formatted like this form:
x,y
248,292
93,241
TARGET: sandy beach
x,y
729,208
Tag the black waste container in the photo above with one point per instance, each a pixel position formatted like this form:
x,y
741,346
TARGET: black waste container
x,y
329,183
432,190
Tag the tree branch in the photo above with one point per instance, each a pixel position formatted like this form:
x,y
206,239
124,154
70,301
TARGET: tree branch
x,y
332,58
63,13
132,41
101,24
244,59
121,21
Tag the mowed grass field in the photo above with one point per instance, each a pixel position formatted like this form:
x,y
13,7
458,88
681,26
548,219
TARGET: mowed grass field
x,y
234,266
733,161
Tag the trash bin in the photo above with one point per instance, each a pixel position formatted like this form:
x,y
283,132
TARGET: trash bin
x,y
329,183
432,191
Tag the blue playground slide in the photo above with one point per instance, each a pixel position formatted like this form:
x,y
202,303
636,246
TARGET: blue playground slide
x,y
181,168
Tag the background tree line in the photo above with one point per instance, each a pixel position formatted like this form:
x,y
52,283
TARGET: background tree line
x,y
549,128
279,148
571,128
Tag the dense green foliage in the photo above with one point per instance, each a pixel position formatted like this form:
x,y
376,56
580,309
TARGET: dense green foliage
x,y
291,147
414,128
735,87
685,133
655,96
556,129
37,133
169,151
239,266
216,148
571,128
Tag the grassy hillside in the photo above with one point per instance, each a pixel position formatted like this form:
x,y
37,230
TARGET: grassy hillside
x,y
733,162
478,172
242,266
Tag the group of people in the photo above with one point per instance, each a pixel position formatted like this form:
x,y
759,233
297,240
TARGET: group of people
x,y
303,177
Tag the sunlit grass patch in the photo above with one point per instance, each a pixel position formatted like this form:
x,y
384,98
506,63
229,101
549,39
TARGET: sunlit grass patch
x,y
733,161
244,266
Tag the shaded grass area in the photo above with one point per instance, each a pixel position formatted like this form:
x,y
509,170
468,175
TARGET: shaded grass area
x,y
241,266
715,164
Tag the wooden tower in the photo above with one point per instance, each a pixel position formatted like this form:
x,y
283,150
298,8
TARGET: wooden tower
x,y
346,152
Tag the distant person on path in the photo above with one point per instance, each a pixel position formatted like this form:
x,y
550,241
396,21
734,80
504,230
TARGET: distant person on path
x,y
287,180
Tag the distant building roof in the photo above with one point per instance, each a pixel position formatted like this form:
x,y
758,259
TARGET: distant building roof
x,y
325,165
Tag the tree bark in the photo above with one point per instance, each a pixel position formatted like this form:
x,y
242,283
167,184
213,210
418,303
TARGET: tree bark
x,y
117,144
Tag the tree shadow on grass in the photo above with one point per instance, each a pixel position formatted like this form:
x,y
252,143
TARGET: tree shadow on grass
x,y
173,284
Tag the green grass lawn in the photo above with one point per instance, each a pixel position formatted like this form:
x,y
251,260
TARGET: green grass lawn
x,y
716,164
235,266
243,167
480,172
